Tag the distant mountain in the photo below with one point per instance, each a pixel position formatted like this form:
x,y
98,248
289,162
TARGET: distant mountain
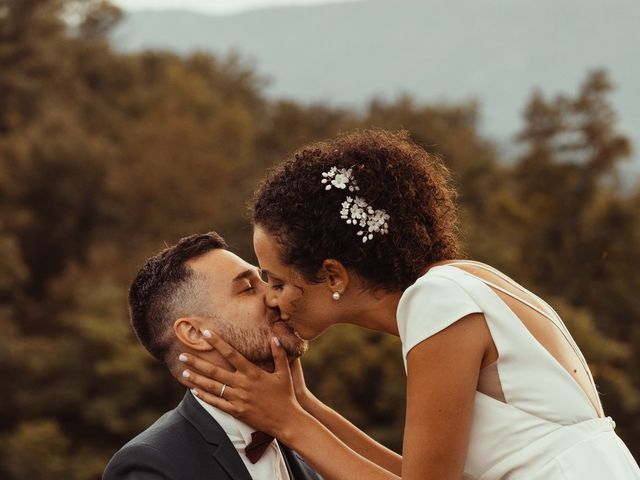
x,y
495,50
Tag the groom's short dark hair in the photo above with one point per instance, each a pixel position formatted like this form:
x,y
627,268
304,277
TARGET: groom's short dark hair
x,y
161,287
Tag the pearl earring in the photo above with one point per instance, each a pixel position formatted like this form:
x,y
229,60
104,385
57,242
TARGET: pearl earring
x,y
336,296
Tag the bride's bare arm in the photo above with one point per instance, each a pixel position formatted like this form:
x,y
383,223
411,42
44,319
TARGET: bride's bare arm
x,y
351,435
329,456
442,376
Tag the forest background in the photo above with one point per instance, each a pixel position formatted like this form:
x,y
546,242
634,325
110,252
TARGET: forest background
x,y
107,157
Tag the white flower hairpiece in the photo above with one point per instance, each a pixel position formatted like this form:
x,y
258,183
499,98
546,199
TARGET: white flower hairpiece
x,y
356,211
339,178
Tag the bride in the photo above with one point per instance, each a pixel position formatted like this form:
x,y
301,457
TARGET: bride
x,y
361,229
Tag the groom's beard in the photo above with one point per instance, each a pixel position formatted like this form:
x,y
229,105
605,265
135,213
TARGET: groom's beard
x,y
255,343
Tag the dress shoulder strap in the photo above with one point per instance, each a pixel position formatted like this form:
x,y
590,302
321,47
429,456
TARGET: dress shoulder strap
x,y
546,314
557,321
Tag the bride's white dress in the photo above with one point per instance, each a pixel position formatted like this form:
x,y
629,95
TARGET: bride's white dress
x,y
531,420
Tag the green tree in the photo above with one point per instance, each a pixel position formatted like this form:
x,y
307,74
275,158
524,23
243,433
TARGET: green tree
x,y
107,157
578,234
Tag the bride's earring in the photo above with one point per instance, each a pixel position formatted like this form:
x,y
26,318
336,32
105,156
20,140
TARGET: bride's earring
x,y
336,296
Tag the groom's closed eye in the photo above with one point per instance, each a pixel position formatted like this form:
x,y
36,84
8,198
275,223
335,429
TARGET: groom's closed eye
x,y
245,282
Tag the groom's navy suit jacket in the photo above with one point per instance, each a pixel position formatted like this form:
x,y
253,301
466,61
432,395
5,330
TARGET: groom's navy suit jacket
x,y
188,444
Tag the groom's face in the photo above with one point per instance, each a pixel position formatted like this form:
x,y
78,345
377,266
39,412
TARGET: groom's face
x,y
237,295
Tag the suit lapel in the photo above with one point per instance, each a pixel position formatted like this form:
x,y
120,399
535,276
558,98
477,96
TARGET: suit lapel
x,y
296,466
223,450
228,458
285,453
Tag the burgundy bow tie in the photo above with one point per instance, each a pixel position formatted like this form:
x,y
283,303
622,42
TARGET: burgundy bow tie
x,y
259,443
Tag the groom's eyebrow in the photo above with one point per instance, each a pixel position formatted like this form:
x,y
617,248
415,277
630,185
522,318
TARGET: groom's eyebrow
x,y
250,272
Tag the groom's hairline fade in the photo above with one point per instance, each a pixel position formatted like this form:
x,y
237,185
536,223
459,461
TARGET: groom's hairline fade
x,y
166,288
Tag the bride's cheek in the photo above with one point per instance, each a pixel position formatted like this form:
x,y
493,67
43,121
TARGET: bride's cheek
x,y
290,305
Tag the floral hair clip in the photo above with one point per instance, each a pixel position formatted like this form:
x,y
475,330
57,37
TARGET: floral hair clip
x,y
339,178
356,210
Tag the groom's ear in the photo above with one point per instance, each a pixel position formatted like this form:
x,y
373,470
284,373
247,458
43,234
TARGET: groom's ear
x,y
335,275
188,330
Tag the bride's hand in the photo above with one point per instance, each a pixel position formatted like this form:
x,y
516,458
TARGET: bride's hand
x,y
266,401
303,394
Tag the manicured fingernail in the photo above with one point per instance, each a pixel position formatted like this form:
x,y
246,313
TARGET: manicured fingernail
x,y
276,340
207,333
182,357
195,392
186,373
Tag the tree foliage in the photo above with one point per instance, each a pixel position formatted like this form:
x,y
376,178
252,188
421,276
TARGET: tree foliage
x,y
107,157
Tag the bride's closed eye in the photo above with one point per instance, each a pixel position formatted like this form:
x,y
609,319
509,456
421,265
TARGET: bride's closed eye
x,y
264,275
274,283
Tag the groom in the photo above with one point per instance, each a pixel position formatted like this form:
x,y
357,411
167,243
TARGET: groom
x,y
192,286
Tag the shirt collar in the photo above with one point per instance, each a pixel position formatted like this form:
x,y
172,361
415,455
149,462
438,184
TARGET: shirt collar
x,y
233,427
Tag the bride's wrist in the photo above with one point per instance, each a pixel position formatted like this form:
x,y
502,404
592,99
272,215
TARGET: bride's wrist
x,y
298,420
307,401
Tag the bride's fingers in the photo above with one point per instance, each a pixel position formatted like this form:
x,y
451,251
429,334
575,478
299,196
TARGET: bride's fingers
x,y
228,352
206,368
280,359
193,379
296,371
215,400
296,367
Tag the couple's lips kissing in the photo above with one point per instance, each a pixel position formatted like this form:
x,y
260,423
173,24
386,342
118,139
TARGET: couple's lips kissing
x,y
273,317
276,320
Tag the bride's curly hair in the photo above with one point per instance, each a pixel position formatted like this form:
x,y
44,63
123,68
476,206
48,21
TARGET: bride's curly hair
x,y
394,174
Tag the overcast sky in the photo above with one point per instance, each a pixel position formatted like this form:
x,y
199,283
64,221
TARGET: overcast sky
x,y
211,6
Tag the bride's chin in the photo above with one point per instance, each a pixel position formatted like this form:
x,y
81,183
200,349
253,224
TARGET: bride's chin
x,y
306,332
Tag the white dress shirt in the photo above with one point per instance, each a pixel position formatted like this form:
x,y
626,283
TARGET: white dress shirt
x,y
271,465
